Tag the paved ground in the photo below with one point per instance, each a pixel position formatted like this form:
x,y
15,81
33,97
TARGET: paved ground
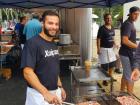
x,y
13,91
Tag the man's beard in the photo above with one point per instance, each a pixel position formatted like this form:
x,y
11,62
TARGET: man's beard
x,y
46,31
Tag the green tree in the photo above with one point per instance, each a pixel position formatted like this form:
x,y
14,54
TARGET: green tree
x,y
115,10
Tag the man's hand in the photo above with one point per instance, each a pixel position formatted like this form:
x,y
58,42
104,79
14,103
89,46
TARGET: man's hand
x,y
135,74
116,46
63,94
52,98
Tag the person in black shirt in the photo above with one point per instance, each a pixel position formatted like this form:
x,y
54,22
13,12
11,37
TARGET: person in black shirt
x,y
22,37
19,30
105,43
128,48
40,63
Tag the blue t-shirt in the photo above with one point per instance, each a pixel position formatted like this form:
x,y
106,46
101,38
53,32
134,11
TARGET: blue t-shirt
x,y
17,26
106,36
43,57
19,32
33,27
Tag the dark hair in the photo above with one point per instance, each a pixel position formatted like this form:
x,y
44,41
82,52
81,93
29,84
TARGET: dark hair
x,y
49,13
35,16
133,9
22,18
106,14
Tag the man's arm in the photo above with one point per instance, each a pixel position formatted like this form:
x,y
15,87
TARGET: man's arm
x,y
59,82
63,93
33,80
98,45
99,36
135,74
127,42
114,42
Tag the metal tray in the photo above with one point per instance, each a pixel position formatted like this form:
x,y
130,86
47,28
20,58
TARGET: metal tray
x,y
120,94
102,99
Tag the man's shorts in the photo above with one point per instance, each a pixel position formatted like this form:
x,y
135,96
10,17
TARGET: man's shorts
x,y
127,68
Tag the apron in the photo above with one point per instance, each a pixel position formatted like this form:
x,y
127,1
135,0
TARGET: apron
x,y
107,55
33,97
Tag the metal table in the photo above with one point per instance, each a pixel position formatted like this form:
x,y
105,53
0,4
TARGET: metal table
x,y
3,54
96,74
79,75
69,57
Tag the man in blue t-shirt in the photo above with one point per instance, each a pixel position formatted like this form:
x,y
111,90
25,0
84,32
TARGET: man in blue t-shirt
x,y
40,63
128,47
33,27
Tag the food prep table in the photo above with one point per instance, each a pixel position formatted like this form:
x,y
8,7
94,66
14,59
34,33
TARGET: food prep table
x,y
4,49
96,74
85,87
86,83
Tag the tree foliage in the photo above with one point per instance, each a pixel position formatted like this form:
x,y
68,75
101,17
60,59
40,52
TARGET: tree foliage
x,y
10,13
116,10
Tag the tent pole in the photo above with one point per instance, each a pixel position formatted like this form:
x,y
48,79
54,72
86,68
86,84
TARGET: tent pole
x,y
109,9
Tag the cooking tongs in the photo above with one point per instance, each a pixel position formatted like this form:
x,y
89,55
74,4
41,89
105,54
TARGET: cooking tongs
x,y
67,103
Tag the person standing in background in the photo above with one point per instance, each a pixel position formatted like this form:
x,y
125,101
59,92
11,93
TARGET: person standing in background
x,y
33,27
105,43
19,30
22,37
128,48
